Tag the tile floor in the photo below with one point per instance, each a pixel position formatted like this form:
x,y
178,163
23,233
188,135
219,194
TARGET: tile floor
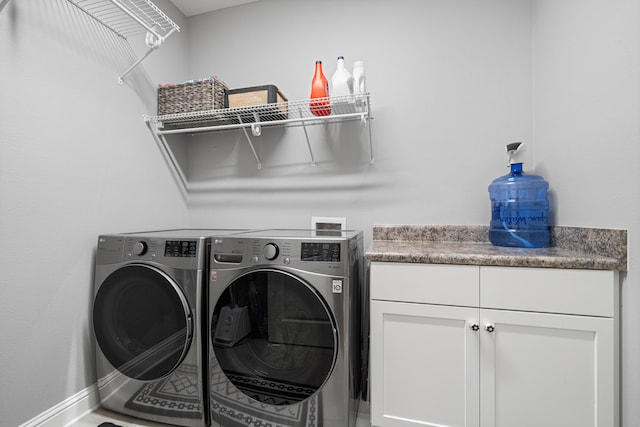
x,y
99,416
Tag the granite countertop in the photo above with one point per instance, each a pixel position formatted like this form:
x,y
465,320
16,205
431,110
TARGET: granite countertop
x,y
571,247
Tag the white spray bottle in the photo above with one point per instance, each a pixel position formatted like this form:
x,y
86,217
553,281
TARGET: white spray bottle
x,y
341,81
359,78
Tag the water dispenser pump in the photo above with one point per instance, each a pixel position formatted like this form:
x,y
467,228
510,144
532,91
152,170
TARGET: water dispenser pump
x,y
519,206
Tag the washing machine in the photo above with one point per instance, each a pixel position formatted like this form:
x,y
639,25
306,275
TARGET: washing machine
x,y
284,328
148,313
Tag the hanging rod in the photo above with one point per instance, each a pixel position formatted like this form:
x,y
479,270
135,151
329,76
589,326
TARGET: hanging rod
x,y
127,18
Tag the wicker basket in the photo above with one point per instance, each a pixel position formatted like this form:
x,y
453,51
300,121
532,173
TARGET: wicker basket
x,y
201,95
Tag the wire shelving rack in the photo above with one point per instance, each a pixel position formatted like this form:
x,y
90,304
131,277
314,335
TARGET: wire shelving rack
x,y
127,18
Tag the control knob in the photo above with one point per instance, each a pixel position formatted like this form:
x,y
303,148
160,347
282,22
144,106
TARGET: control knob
x,y
270,251
139,248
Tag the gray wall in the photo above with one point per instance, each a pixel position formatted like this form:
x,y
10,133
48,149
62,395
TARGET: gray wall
x,y
76,160
587,134
451,82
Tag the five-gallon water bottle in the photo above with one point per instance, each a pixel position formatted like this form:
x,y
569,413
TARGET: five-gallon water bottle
x,y
519,207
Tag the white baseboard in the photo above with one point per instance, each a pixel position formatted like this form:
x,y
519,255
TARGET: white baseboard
x,y
68,410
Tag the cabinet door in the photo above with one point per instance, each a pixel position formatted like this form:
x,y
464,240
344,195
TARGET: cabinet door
x,y
424,365
546,370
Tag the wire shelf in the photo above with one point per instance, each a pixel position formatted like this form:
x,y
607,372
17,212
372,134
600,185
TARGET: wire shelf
x,y
127,18
289,113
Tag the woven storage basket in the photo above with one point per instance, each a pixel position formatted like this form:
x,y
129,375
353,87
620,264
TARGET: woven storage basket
x,y
197,96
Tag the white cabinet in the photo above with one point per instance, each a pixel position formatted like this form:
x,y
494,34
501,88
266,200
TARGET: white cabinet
x,y
546,370
424,357
413,381
491,346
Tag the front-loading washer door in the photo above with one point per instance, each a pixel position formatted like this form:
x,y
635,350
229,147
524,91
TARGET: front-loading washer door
x,y
274,337
142,322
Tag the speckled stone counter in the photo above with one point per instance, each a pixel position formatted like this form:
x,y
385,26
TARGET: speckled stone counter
x,y
571,247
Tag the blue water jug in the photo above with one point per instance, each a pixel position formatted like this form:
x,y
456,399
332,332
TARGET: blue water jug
x,y
519,207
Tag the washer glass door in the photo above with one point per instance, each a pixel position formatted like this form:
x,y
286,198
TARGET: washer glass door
x,y
142,322
274,337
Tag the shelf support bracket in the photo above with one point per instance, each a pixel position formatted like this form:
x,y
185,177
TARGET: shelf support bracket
x,y
135,64
170,159
246,135
153,41
366,119
306,135
256,129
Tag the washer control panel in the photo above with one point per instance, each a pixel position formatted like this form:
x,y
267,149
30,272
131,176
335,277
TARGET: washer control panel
x,y
324,256
320,251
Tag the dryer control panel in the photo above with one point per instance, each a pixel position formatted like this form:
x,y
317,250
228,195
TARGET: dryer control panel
x,y
181,248
174,251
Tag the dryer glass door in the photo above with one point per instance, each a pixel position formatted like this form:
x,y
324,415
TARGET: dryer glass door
x,y
274,337
142,322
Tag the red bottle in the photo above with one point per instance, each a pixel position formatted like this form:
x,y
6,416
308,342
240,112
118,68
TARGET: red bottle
x,y
320,93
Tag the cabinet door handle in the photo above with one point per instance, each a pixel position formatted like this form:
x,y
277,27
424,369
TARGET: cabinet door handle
x,y
474,326
489,327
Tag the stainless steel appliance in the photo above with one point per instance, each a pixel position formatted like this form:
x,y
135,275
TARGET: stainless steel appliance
x,y
147,318
284,328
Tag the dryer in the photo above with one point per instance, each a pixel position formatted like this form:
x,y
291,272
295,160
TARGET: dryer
x,y
284,328
149,305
